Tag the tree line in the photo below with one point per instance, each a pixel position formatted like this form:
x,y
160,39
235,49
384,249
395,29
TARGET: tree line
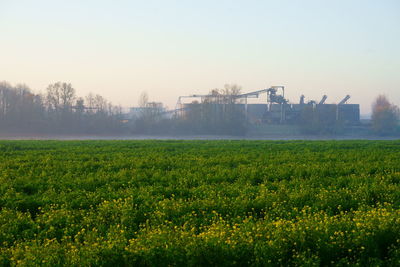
x,y
57,111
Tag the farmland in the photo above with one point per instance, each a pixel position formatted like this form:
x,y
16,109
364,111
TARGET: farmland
x,y
159,203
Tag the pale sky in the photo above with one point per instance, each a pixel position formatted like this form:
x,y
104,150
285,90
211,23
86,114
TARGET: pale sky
x,y
170,48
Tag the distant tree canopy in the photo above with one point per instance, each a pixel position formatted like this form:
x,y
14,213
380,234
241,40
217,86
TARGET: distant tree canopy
x,y
385,116
59,111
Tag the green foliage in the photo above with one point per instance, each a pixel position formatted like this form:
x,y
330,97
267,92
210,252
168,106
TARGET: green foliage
x,y
161,203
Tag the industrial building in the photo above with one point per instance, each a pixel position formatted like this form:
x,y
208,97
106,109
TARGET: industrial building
x,y
276,110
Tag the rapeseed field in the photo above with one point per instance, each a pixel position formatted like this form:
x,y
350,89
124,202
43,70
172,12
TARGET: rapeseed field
x,y
199,203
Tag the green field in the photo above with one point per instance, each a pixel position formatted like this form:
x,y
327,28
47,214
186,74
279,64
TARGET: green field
x,y
158,203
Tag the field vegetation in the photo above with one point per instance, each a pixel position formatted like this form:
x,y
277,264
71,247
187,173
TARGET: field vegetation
x,y
160,203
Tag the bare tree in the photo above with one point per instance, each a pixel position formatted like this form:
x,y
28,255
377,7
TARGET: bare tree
x,y
89,100
230,92
143,99
53,97
100,104
5,92
232,89
67,94
60,96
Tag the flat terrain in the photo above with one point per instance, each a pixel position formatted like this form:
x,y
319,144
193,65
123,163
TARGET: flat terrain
x,y
158,203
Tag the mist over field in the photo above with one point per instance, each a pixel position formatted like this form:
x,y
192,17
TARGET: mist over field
x,y
194,137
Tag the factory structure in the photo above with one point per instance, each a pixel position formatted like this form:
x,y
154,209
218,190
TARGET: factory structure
x,y
276,109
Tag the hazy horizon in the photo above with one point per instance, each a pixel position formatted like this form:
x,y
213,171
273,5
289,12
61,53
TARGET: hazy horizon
x,y
173,48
